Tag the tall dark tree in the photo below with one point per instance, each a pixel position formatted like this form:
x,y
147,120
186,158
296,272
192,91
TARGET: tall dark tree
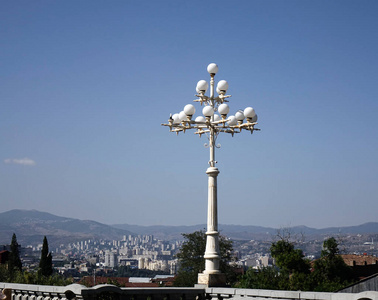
x,y
14,263
45,264
192,261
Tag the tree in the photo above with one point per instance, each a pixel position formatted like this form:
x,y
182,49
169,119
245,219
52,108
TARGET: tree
x,y
14,263
289,259
292,271
267,278
330,271
329,274
45,264
192,261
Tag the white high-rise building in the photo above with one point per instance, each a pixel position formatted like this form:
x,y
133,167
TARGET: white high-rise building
x,y
110,259
141,263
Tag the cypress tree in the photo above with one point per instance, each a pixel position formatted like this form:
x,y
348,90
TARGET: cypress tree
x,y
14,262
45,264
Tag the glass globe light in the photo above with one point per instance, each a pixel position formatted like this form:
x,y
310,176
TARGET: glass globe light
x,y
182,116
232,121
222,86
208,111
200,119
189,109
223,109
202,86
254,119
249,112
239,115
217,117
176,119
212,68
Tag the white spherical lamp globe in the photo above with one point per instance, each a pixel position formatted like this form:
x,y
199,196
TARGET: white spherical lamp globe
x,y
222,86
212,68
254,119
200,119
208,111
217,117
202,86
176,118
223,109
182,116
239,115
189,109
232,121
249,112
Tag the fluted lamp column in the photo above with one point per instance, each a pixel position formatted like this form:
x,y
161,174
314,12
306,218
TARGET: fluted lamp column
x,y
211,124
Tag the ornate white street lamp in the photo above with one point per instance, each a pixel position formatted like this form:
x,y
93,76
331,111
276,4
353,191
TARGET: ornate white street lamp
x,y
215,120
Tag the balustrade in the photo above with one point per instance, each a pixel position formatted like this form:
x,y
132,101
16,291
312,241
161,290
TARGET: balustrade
x,y
111,292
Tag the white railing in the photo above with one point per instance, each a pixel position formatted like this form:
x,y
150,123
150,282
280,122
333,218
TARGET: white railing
x,y
250,294
111,292
99,292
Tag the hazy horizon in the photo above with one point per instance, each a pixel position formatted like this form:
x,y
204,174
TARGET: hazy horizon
x,y
193,225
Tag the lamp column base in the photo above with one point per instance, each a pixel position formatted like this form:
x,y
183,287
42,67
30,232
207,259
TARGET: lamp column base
x,y
212,280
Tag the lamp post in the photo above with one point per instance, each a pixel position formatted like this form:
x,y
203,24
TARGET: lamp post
x,y
215,120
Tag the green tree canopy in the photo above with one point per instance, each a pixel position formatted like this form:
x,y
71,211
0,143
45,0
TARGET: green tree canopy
x,y
192,261
13,272
14,262
329,274
45,264
330,271
266,278
289,259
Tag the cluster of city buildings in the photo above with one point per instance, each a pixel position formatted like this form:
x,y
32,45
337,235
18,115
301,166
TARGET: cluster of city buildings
x,y
139,252
144,252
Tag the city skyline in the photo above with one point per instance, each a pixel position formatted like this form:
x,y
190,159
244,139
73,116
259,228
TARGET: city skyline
x,y
85,86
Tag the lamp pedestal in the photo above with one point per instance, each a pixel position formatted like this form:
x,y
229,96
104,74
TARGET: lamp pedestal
x,y
212,276
212,280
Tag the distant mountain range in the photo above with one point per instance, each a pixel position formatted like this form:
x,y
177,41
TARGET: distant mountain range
x,y
31,226
242,232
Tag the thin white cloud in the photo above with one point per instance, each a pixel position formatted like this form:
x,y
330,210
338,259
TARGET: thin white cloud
x,y
20,161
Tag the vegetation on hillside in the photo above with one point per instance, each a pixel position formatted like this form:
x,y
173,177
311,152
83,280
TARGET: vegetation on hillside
x,y
12,270
294,272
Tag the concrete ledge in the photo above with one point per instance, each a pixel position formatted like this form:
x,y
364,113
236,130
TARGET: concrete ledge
x,y
43,292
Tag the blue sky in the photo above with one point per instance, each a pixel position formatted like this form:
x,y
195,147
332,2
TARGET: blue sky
x,y
85,86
